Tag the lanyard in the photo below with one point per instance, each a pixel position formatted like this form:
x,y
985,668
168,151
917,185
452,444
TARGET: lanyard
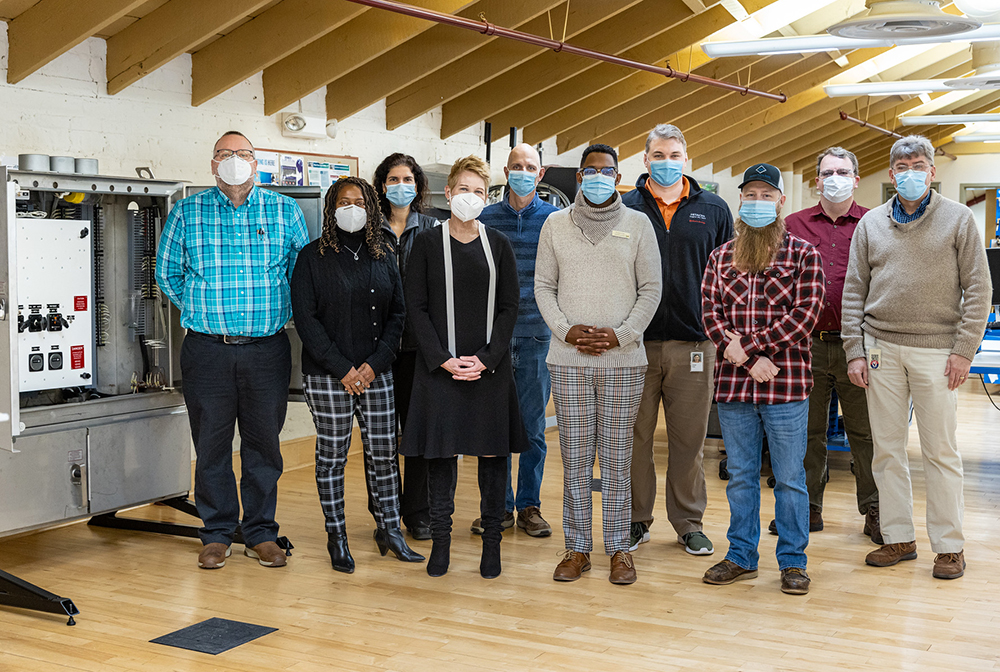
x,y
449,284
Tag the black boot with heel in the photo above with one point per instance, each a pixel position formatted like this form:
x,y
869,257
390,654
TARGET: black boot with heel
x,y
391,539
492,502
442,477
340,554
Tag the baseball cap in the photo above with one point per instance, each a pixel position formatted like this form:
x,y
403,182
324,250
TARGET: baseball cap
x,y
763,172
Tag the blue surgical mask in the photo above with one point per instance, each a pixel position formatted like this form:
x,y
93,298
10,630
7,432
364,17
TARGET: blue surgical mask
x,y
758,214
401,194
912,184
521,182
598,188
666,172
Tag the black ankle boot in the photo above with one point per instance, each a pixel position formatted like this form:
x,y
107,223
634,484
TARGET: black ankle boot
x,y
492,493
442,477
340,554
391,539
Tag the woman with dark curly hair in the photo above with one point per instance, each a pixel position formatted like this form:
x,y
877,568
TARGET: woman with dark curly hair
x,y
401,187
347,300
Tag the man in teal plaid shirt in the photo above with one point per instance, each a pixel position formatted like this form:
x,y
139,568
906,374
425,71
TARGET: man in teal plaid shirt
x,y
225,259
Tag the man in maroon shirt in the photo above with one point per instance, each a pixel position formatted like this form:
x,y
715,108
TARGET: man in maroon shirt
x,y
829,226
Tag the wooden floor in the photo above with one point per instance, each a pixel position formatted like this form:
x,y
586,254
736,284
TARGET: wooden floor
x,y
133,587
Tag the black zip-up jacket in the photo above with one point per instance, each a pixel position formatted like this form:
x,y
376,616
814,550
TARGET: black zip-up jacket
x,y
702,223
415,223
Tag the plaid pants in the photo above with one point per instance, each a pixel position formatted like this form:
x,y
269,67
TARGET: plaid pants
x,y
596,410
332,410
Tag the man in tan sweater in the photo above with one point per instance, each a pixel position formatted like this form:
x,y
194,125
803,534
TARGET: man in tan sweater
x,y
916,301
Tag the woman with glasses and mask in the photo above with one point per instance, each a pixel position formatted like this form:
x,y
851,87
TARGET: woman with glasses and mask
x,y
401,188
462,297
348,307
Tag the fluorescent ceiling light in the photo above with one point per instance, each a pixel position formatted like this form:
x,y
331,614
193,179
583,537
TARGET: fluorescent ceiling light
x,y
948,119
977,137
912,86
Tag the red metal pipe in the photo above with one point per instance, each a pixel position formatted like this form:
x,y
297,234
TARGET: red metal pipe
x,y
487,28
892,134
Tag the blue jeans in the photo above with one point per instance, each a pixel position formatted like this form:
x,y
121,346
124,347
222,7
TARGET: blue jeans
x,y
531,377
743,427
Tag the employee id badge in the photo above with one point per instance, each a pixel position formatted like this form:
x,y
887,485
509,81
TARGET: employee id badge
x,y
697,362
874,359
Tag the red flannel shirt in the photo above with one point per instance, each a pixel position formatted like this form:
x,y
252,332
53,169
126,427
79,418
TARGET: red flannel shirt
x,y
833,242
775,311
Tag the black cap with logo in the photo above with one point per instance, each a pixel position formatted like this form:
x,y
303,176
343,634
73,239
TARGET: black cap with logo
x,y
766,173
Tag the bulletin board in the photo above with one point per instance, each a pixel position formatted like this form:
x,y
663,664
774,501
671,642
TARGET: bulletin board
x,y
303,169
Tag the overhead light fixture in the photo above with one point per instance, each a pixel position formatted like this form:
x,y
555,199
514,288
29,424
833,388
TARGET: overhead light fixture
x,y
977,137
298,125
904,87
803,44
293,122
894,19
984,10
948,119
986,61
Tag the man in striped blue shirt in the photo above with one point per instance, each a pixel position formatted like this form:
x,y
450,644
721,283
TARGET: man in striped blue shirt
x,y
225,259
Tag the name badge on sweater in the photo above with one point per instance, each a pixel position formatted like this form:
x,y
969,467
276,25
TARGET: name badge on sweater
x,y
620,234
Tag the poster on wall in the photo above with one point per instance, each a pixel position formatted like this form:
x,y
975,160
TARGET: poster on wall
x,y
302,169
998,214
324,173
267,167
292,171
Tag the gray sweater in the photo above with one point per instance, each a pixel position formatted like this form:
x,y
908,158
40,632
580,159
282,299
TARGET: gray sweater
x,y
924,284
598,267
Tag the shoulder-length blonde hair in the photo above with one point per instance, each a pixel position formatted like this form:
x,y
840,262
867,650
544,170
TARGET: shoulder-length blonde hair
x,y
472,164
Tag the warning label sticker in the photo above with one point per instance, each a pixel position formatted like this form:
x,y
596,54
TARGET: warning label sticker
x,y
80,303
76,357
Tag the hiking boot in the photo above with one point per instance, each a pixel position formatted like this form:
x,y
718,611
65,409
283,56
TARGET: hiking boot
x,y
890,554
530,520
949,565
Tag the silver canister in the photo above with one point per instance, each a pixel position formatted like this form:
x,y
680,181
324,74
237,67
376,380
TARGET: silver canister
x,y
62,164
33,162
86,167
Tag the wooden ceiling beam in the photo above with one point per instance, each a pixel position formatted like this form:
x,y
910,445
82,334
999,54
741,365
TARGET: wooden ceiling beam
x,y
339,52
493,59
50,28
614,35
269,37
425,54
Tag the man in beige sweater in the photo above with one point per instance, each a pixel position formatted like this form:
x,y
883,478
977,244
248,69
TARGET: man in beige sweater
x,y
597,284
916,301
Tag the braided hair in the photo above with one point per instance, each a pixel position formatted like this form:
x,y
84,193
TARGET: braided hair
x,y
374,237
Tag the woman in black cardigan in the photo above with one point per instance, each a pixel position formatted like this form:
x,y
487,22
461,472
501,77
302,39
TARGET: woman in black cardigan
x,y
347,302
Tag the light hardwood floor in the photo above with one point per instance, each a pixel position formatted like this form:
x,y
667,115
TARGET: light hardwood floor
x,y
133,587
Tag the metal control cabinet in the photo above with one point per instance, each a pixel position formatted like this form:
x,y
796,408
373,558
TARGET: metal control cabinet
x,y
106,430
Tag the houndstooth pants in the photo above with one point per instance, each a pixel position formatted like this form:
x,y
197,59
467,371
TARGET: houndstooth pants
x,y
596,409
333,410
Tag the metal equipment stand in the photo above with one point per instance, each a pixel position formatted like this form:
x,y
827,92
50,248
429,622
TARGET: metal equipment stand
x,y
182,504
15,592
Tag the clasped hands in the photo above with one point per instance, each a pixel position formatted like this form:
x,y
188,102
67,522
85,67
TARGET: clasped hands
x,y
592,340
466,368
762,371
358,379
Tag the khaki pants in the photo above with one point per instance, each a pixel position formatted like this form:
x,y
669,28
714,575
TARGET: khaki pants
x,y
918,373
687,401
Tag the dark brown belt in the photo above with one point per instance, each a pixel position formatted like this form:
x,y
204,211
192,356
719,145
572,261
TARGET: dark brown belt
x,y
232,340
827,336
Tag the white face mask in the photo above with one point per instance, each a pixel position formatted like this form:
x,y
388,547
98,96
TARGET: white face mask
x,y
235,171
838,188
351,218
467,206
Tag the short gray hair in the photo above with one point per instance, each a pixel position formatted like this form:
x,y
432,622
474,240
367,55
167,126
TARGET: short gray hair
x,y
910,146
840,153
666,132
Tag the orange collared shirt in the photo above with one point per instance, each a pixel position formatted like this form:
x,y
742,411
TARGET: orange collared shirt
x,y
668,209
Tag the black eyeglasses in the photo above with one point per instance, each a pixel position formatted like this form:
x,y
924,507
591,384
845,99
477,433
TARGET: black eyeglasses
x,y
606,172
223,154
843,172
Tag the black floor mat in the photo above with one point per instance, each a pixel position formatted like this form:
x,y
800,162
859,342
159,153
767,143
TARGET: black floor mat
x,y
214,635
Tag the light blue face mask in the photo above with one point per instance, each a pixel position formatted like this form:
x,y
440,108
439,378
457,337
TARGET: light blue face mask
x,y
666,172
911,185
401,194
521,182
598,188
758,214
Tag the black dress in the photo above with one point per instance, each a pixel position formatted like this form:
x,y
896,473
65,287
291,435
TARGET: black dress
x,y
449,417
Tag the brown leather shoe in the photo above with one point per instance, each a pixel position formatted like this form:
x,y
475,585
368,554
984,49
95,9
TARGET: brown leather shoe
x,y
872,527
949,565
815,522
890,554
727,572
794,581
622,569
572,566
213,556
508,522
267,554
530,520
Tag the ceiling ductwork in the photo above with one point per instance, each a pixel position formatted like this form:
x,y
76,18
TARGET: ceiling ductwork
x,y
986,61
895,19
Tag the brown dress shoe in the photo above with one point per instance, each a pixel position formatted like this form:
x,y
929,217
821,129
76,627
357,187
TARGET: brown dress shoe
x,y
872,527
622,569
727,572
572,566
267,554
890,554
815,522
794,581
213,556
949,565
530,520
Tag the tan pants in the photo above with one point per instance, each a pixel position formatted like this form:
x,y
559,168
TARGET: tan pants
x,y
918,373
687,402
